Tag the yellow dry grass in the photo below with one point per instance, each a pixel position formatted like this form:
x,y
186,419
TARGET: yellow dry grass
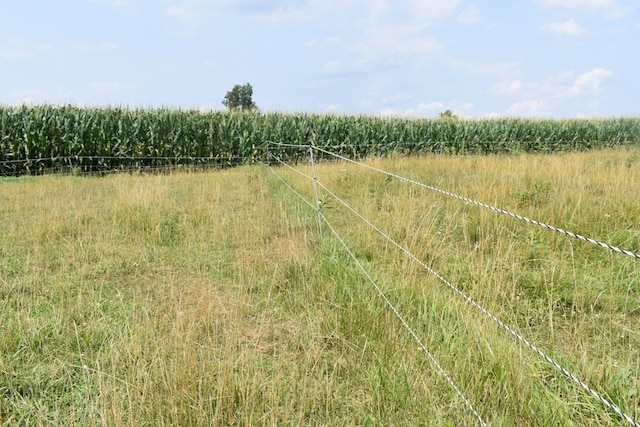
x,y
210,298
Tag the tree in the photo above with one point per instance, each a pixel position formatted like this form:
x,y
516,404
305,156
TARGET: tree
x,y
448,115
239,98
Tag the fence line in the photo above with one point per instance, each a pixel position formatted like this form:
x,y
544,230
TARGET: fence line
x,y
506,327
86,165
483,205
486,312
432,358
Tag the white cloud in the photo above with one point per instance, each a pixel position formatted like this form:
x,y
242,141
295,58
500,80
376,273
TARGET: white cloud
x,y
577,3
567,28
528,107
332,108
415,46
427,109
539,98
389,112
470,15
207,108
333,67
502,69
102,47
110,86
396,98
272,11
556,88
114,3
12,48
431,106
333,40
432,10
391,43
507,87
562,77
178,13
619,12
589,83
25,96
396,31
175,11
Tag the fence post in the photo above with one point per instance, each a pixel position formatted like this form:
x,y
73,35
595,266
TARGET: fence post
x,y
315,186
267,153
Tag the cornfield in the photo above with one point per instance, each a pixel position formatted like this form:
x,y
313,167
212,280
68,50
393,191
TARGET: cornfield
x,y
36,139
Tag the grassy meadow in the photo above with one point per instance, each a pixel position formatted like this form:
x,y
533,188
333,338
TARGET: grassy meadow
x,y
212,299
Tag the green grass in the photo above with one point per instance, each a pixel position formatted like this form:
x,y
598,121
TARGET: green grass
x,y
211,299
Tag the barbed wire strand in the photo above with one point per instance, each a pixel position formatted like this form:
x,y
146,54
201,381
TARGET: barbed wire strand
x,y
404,323
61,158
116,164
283,144
290,187
486,206
506,327
486,312
299,172
433,360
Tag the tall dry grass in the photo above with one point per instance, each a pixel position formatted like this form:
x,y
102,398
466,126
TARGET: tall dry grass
x,y
211,299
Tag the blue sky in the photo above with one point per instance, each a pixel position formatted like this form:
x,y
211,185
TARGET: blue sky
x,y
532,58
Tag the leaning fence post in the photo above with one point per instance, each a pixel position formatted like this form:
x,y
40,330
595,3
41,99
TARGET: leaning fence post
x,y
315,186
267,160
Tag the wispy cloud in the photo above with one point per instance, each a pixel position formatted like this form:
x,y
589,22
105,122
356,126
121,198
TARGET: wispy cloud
x,y
273,11
91,47
500,69
429,11
395,31
104,86
12,48
469,15
428,109
331,108
175,11
528,107
560,86
187,16
566,28
333,68
580,4
113,3
540,98
506,87
25,96
609,9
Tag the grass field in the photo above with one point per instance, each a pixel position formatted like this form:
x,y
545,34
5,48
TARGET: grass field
x,y
211,298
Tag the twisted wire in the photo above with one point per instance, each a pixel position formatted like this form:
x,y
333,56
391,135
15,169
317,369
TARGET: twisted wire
x,y
486,206
433,360
487,313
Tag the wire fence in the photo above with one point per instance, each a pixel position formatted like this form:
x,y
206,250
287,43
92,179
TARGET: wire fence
x,y
102,165
287,154
512,331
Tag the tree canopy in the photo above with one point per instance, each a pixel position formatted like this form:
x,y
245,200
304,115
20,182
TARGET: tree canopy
x,y
448,115
239,98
